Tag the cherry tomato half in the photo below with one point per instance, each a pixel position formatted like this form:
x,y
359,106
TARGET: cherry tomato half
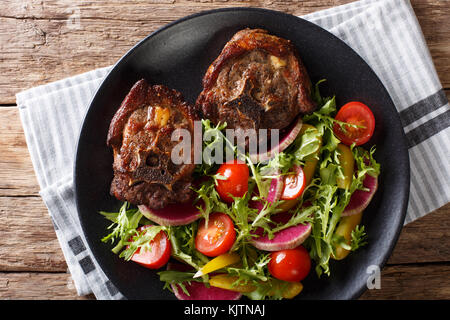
x,y
290,265
359,114
236,175
294,184
216,238
159,254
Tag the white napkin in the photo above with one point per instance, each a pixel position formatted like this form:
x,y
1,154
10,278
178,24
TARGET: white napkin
x,y
385,33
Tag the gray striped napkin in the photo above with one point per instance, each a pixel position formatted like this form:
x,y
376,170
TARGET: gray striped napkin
x,y
385,33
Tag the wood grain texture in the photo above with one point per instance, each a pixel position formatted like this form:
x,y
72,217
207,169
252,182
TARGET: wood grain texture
x,y
412,283
38,286
424,240
52,39
29,241
17,176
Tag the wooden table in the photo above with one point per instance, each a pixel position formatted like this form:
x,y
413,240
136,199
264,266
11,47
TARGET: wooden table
x,y
43,41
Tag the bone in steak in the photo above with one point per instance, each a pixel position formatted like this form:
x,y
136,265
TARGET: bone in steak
x,y
140,136
257,82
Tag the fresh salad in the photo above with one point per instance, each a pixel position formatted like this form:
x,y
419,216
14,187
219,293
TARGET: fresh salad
x,y
258,229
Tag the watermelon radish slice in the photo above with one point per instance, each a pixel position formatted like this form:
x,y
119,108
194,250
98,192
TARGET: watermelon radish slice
x,y
273,194
285,141
172,215
288,238
275,189
360,199
198,290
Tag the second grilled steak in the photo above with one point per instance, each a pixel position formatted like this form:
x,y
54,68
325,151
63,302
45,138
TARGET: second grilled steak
x,y
140,136
258,81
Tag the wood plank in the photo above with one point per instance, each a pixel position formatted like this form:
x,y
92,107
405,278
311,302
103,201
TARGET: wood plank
x,y
417,282
29,241
38,286
17,176
49,41
397,282
138,10
424,240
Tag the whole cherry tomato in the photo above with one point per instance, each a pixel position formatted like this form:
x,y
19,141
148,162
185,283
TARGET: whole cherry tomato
x,y
233,180
358,114
290,265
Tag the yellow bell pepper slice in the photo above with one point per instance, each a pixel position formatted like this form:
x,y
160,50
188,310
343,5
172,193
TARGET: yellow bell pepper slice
x,y
347,162
344,229
226,281
292,290
312,159
219,262
308,169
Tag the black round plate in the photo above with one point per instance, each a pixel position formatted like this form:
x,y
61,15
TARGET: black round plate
x,y
177,56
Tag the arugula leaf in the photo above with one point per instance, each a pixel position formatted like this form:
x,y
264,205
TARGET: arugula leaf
x,y
125,223
298,217
141,240
254,273
358,238
183,248
213,140
242,214
210,199
310,141
282,162
178,278
316,92
302,147
174,276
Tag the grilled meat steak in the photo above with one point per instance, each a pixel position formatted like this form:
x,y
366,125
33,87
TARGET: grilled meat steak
x,y
257,82
140,136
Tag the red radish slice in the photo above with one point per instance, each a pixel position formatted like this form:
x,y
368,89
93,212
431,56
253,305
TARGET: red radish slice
x,y
172,215
198,290
288,238
285,141
360,199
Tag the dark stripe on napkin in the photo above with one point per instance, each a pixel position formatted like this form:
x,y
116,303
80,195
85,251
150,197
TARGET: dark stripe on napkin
x,y
428,129
423,107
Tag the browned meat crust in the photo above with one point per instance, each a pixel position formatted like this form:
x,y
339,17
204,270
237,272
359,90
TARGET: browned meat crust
x,y
257,81
140,136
